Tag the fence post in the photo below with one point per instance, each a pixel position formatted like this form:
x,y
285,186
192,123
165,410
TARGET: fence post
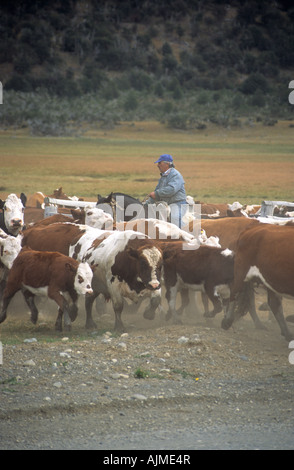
x,y
267,208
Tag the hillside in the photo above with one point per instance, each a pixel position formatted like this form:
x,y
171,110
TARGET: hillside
x,y
184,62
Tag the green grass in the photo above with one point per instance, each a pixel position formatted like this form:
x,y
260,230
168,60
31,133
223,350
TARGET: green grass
x,y
247,164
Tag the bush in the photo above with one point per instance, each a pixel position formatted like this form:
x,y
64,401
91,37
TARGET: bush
x,y
178,120
131,102
254,83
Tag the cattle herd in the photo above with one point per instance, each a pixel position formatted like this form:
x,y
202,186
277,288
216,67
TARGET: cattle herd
x,y
87,252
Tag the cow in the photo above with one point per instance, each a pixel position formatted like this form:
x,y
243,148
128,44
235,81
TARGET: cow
x,y
127,265
54,237
10,246
94,217
59,237
228,231
12,217
208,269
265,253
50,274
158,229
220,210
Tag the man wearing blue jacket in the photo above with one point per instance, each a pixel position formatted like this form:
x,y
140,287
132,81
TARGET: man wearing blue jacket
x,y
170,188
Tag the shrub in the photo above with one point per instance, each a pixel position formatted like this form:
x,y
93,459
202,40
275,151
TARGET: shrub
x,y
178,120
131,102
254,83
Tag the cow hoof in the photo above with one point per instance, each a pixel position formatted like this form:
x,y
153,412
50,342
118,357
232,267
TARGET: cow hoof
x,y
168,316
2,318
149,315
177,321
209,314
73,312
226,324
91,325
260,326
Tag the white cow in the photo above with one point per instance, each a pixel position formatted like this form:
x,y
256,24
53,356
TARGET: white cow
x,y
12,218
9,249
97,218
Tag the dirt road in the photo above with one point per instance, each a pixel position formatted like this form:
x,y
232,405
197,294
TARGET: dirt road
x,y
159,386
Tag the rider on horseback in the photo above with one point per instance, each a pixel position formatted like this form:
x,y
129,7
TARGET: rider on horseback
x,y
170,189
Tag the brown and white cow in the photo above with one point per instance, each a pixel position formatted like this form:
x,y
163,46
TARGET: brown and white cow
x,y
59,237
266,253
228,231
94,217
51,274
220,210
12,215
207,269
54,237
127,265
10,246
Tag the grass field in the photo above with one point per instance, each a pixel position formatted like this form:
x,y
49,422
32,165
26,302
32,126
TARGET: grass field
x,y
246,164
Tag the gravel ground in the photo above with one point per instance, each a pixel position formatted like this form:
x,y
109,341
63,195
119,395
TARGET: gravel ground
x,y
158,386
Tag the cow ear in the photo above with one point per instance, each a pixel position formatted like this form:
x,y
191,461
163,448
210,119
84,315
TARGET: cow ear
x,y
76,213
93,267
70,267
2,204
23,199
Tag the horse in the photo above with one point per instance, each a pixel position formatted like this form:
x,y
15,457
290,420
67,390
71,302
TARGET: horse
x,y
119,205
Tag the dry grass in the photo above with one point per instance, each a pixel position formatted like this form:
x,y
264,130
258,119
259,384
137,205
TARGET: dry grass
x,y
248,164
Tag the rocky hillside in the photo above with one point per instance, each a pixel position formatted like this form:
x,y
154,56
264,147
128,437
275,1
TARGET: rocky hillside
x,y
166,51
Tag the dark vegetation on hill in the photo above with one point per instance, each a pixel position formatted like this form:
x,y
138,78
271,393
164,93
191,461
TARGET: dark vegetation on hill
x,y
69,63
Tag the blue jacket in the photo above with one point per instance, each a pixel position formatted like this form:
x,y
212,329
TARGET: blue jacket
x,y
170,188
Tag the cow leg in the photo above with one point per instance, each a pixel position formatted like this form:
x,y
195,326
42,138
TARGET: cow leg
x,y
275,303
155,299
252,310
2,287
8,294
89,300
184,293
6,301
58,323
217,305
30,301
205,302
62,304
228,319
118,308
171,295
246,303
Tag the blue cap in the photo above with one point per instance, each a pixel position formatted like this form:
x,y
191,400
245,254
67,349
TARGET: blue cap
x,y
165,158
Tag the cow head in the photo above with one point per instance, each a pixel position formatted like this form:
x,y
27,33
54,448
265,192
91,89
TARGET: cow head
x,y
149,263
9,248
83,279
98,218
13,209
